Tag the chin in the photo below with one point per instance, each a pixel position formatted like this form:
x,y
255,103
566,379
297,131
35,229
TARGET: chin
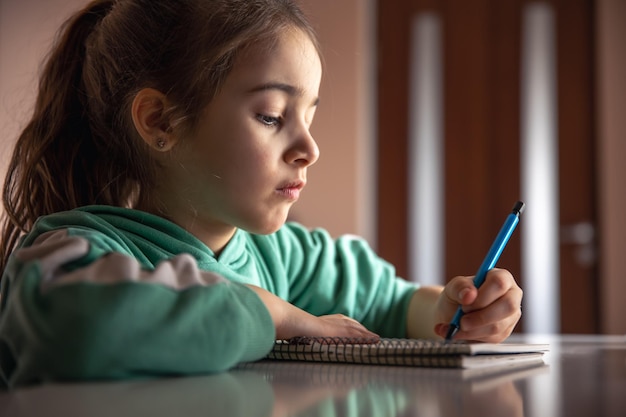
x,y
266,228
271,229
264,223
262,231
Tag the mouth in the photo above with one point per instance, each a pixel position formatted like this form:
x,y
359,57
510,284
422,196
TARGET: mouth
x,y
291,190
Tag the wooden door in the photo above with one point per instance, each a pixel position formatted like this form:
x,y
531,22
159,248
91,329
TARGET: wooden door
x,y
482,61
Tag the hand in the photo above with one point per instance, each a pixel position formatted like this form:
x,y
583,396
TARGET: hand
x,y
491,312
290,321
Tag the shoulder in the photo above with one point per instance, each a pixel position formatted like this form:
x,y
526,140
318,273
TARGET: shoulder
x,y
84,222
147,237
66,221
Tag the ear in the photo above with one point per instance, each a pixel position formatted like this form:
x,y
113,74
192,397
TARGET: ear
x,y
148,113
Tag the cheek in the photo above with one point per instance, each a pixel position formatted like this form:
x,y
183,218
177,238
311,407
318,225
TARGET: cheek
x,y
211,149
234,150
251,166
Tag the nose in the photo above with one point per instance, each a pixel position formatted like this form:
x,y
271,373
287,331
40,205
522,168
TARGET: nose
x,y
304,150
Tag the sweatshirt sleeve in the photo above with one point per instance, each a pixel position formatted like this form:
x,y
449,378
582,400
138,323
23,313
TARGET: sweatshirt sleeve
x,y
345,276
71,309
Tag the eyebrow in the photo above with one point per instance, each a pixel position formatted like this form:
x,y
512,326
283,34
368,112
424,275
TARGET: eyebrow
x,y
286,88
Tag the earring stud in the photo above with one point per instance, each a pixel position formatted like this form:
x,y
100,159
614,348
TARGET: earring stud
x,y
160,143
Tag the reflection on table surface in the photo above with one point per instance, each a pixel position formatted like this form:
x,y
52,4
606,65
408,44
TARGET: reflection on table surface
x,y
583,376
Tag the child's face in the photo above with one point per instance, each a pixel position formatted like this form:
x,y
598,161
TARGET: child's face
x,y
247,162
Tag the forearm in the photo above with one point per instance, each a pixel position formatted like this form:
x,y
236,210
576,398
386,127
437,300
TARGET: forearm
x,y
112,319
421,313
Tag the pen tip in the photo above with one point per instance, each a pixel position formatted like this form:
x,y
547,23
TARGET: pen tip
x,y
451,332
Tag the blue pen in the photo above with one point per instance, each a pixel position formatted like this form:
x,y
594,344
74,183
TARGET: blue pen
x,y
490,260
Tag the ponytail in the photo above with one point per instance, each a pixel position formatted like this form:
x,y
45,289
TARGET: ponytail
x,y
44,171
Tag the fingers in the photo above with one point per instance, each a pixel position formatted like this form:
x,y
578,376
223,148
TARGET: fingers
x,y
498,283
343,326
334,325
491,312
461,290
494,323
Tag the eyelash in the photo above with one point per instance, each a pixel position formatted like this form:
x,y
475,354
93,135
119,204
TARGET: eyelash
x,y
269,121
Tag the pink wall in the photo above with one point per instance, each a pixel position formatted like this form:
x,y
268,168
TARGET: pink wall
x,y
26,31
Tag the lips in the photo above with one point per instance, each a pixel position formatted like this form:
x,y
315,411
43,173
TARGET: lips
x,y
291,190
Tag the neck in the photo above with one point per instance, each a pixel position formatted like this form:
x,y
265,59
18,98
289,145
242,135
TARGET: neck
x,y
215,235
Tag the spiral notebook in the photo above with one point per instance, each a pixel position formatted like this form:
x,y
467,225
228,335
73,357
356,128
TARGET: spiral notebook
x,y
407,352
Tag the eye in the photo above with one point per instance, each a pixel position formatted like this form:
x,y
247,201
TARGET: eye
x,y
269,121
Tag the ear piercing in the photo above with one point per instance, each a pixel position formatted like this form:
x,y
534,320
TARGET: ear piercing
x,y
160,143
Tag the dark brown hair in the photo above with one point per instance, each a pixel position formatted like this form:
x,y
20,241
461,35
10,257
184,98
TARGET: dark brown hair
x,y
80,146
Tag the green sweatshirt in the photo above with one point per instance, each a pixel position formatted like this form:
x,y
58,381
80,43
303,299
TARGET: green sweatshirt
x,y
109,293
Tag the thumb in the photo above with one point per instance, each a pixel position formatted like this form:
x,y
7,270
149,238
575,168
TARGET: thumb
x,y
461,290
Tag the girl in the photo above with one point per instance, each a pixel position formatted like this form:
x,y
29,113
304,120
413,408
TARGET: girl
x,y
146,203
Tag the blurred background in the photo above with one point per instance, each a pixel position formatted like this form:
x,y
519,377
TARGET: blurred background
x,y
435,117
